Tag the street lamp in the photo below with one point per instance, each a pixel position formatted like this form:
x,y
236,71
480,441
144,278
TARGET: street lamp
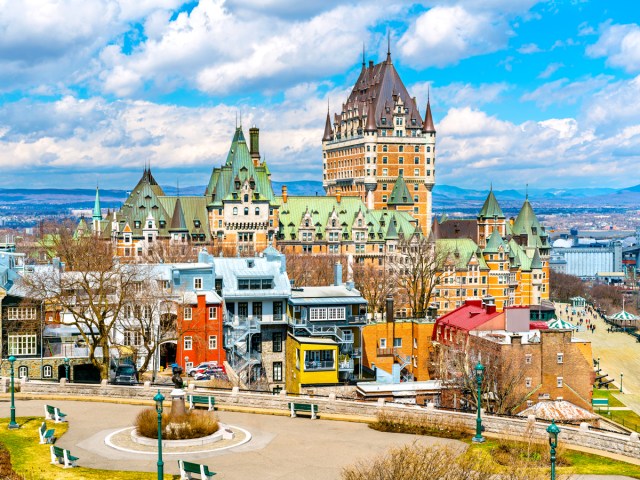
x,y
478,437
159,398
621,383
66,368
13,424
553,432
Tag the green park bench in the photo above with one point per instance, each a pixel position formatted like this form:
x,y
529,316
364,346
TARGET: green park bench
x,y
62,456
46,435
303,407
207,400
54,413
600,402
189,468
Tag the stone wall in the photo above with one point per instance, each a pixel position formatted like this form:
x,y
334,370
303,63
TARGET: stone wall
x,y
628,445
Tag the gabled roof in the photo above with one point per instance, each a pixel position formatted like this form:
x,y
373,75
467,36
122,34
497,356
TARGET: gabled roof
x,y
456,228
491,208
461,251
400,194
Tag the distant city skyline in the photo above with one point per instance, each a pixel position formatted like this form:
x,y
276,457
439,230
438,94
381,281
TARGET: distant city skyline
x,y
523,91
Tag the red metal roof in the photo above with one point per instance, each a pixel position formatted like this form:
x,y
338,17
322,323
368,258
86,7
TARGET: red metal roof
x,y
469,316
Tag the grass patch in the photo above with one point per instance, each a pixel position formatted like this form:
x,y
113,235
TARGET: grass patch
x,y
31,460
626,418
604,393
430,425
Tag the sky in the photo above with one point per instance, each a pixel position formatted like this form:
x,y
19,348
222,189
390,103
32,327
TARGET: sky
x,y
522,91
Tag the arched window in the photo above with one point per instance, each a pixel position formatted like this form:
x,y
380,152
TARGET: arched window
x,y
333,222
246,210
428,149
23,371
257,210
384,148
246,198
47,371
235,210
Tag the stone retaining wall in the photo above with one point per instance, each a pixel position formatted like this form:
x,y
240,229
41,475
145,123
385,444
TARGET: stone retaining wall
x,y
628,445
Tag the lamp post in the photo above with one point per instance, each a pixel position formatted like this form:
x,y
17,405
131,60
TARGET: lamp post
x,y
553,432
66,368
478,437
13,424
159,398
621,383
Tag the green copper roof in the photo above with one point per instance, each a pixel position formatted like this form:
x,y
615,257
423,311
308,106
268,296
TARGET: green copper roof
x,y
227,182
536,261
527,224
491,208
520,257
461,251
494,242
97,211
400,194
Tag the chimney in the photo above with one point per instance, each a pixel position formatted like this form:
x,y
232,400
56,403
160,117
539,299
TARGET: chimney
x,y
389,309
337,274
284,194
370,63
338,196
254,145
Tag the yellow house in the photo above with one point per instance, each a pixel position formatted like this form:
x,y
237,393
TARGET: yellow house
x,y
311,361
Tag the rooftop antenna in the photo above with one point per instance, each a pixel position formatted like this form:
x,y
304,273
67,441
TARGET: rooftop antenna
x,y
236,119
240,118
363,59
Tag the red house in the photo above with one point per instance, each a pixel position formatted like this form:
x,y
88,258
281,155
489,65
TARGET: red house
x,y
199,329
454,327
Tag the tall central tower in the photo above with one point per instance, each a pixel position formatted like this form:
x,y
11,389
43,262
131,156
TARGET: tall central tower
x,y
379,138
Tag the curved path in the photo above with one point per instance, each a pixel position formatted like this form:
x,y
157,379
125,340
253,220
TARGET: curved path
x,y
281,447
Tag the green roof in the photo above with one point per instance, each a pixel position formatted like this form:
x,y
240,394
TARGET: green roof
x,y
527,224
461,251
400,194
491,208
494,242
97,211
226,182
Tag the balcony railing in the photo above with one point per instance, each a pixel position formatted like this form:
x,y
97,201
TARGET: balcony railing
x,y
345,365
319,365
382,352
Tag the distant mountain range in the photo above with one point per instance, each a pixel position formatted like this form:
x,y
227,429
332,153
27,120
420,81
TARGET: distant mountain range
x,y
445,197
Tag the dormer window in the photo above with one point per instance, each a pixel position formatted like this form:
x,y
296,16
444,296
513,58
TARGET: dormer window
x,y
246,198
333,222
306,223
235,210
162,224
383,121
136,224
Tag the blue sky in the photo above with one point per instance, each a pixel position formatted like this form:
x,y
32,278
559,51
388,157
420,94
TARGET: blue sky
x,y
523,91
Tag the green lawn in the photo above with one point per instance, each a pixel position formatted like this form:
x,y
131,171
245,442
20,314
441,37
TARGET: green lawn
x,y
603,393
576,462
626,418
32,460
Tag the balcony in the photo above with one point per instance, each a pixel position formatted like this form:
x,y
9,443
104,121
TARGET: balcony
x,y
345,365
386,352
318,365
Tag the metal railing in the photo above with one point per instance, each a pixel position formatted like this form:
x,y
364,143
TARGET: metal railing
x,y
318,365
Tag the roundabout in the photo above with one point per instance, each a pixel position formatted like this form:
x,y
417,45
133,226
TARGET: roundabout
x,y
228,436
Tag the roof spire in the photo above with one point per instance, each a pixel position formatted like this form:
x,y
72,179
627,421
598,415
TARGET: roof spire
x,y
526,196
363,59
428,126
178,187
328,131
388,46
97,210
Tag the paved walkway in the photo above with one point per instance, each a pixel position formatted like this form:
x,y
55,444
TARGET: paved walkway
x,y
281,447
618,352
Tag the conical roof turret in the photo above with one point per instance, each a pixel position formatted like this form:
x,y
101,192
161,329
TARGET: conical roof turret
x,y
328,131
428,126
178,223
371,118
491,208
97,210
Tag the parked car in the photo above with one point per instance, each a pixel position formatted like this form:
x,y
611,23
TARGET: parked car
x,y
126,375
201,368
212,372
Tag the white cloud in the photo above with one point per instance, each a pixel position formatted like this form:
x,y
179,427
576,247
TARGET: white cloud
x,y
565,92
458,94
529,48
620,44
550,70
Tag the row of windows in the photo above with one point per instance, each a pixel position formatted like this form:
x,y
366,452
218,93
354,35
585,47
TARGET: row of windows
x,y
212,313
21,313
331,313
246,211
213,342
385,148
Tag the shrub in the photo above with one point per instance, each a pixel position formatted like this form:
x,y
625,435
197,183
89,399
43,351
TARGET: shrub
x,y
195,424
433,425
6,470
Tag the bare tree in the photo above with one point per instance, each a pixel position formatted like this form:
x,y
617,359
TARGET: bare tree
x,y
91,293
312,270
502,380
374,283
416,268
